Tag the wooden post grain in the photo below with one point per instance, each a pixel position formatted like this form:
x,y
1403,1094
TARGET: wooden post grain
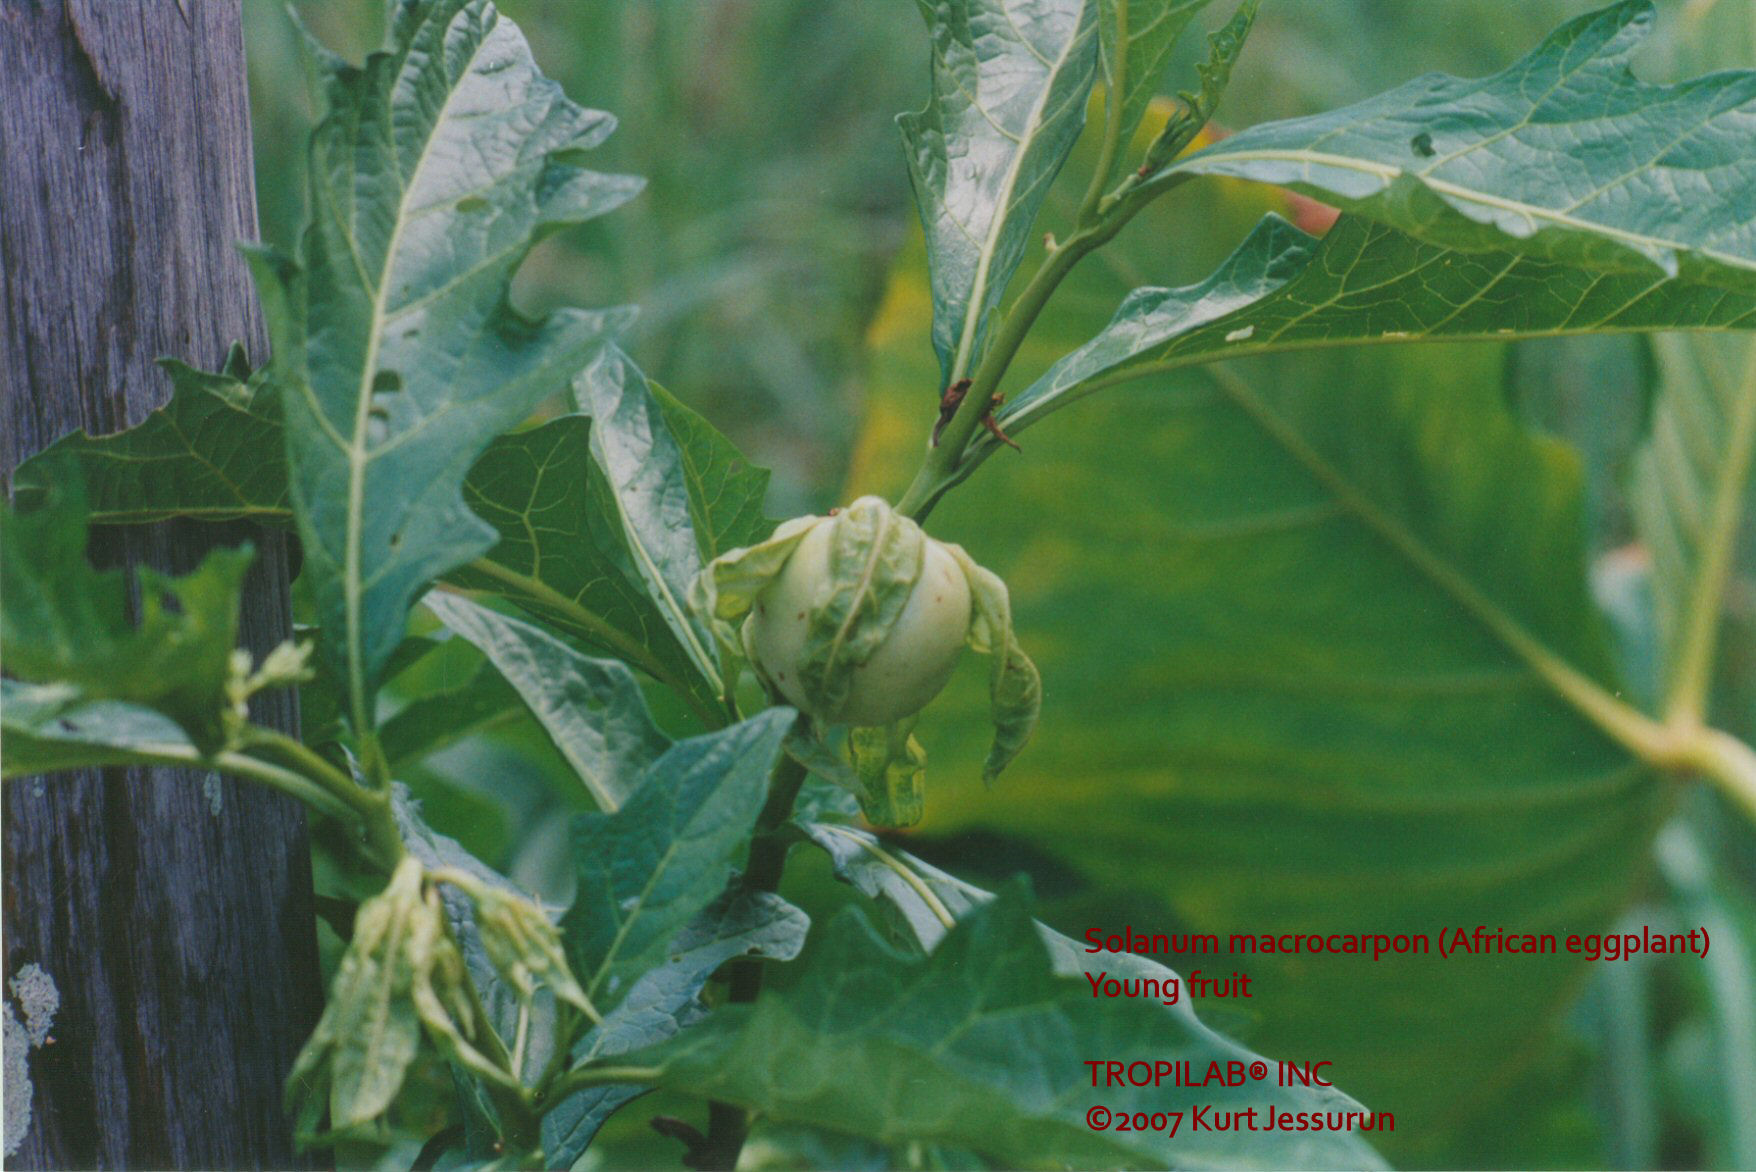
x,y
172,910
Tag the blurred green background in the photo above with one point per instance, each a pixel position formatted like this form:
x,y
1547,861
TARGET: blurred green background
x,y
775,257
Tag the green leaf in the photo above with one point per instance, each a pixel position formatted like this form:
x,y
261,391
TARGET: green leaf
x,y
62,622
1564,156
979,1045
562,555
1280,629
647,869
440,719
1224,46
213,451
665,999
1693,495
670,489
1362,283
1706,895
592,709
1135,39
47,727
398,355
1010,82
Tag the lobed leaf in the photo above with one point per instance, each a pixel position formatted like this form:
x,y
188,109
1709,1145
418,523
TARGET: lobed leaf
x,y
1564,156
978,1045
213,451
63,622
1364,283
397,353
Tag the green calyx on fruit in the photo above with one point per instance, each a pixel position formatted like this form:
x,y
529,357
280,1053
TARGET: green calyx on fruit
x,y
858,618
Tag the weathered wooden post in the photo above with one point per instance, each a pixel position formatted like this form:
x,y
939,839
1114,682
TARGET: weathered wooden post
x,y
171,911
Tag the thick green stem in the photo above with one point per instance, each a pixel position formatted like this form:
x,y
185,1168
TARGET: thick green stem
x,y
728,1124
285,780
940,469
1727,762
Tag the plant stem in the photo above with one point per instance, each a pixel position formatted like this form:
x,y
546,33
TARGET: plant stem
x,y
274,776
1115,89
940,469
1729,763
728,1124
312,765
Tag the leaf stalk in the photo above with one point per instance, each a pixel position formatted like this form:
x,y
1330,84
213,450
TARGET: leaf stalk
x,y
941,467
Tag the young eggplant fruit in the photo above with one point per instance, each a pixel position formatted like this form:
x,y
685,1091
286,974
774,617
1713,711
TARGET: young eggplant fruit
x,y
857,619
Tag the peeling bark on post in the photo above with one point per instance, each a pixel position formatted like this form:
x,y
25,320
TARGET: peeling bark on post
x,y
171,910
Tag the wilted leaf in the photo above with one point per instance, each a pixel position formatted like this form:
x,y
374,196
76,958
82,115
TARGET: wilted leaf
x,y
362,1047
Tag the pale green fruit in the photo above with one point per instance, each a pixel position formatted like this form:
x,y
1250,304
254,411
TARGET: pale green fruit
x,y
907,670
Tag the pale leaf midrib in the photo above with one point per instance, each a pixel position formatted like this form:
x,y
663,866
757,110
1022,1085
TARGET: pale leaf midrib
x,y
676,615
996,227
1621,723
1635,241
357,454
634,913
